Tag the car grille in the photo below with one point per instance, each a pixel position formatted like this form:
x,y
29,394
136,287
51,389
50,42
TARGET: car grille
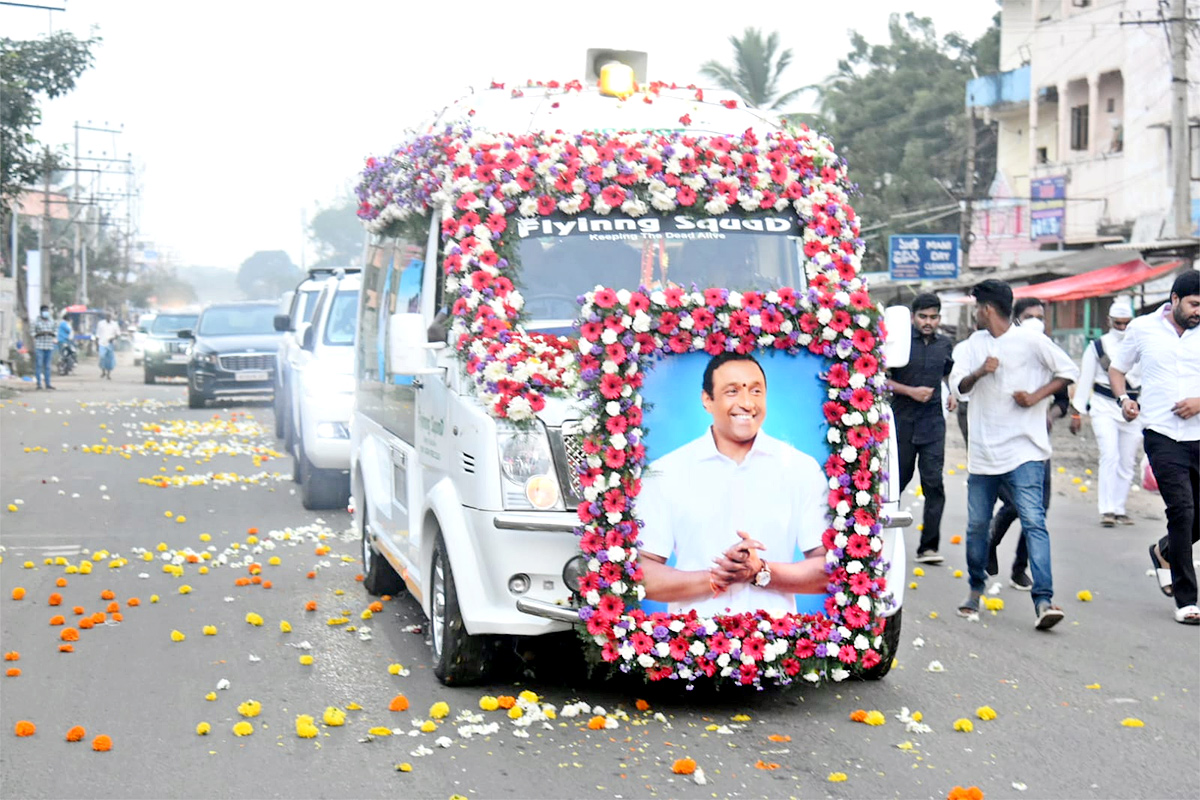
x,y
567,445
256,361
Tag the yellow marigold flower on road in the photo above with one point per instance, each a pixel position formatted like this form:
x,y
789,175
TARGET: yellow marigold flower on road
x,y
993,603
428,726
439,710
528,696
488,703
1084,595
379,730
332,621
366,614
12,508
203,570
85,568
875,718
203,728
516,712
181,518
1092,686
306,660
836,777
243,728
250,708
153,598
740,717
162,546
210,630
210,696
353,707
917,716
917,571
206,537
305,728
147,556
395,669
964,725
254,619
274,561
985,712
913,585
958,573
1131,722
285,626
404,767
933,615
176,636
334,716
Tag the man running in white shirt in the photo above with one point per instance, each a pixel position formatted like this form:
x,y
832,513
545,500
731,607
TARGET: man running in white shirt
x,y
720,499
1116,437
1010,374
1166,343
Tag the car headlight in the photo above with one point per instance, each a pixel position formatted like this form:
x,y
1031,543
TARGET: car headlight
x,y
206,358
528,469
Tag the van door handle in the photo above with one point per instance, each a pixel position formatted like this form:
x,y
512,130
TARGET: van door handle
x,y
417,383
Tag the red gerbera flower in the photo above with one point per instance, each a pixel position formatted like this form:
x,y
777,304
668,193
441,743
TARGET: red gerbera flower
x,y
611,385
863,340
862,399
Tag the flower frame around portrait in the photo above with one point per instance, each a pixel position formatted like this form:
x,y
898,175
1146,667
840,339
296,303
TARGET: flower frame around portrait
x,y
622,333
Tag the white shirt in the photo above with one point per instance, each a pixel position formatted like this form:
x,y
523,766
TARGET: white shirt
x,y
107,332
1003,434
1092,373
694,500
1170,371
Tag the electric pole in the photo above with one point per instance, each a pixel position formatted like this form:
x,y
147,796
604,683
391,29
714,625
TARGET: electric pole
x,y
44,235
1180,146
969,192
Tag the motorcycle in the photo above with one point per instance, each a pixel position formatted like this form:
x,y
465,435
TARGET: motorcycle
x,y
67,358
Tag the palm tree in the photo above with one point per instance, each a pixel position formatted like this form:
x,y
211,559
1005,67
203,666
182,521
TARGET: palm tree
x,y
755,71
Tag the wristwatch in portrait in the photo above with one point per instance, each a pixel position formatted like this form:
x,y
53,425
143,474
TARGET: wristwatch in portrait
x,y
1121,400
764,576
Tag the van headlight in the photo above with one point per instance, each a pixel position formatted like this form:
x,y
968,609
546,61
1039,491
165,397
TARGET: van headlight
x,y
527,468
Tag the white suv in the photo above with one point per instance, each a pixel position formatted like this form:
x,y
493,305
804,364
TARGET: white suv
x,y
320,393
297,307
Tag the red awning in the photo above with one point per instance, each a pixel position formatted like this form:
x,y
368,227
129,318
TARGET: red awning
x,y
1096,283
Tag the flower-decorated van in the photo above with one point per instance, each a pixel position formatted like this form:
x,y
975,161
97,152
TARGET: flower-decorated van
x,y
575,300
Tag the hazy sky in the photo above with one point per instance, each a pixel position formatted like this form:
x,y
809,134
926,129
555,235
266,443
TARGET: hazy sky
x,y
242,116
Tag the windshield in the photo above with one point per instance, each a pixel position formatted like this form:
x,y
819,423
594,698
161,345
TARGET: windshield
x,y
343,317
169,323
237,320
562,258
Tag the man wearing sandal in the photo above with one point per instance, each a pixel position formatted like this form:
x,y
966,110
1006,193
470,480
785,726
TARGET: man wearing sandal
x,y
1166,343
1010,374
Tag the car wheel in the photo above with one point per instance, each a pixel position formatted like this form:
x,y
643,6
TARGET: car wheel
x,y
378,575
458,658
891,644
320,488
195,399
148,376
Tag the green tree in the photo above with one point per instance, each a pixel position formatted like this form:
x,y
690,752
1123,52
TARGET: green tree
x,y
756,70
267,274
338,235
896,113
30,71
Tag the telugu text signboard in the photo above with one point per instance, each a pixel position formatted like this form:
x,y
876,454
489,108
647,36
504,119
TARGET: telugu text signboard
x,y
1048,209
923,257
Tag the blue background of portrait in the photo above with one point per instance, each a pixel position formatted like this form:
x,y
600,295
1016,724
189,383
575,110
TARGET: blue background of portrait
x,y
795,394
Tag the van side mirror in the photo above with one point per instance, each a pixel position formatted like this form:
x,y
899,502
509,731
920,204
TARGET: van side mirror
x,y
186,333
307,335
898,346
407,342
282,322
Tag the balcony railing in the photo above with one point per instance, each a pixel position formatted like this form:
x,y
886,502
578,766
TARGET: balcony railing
x,y
1000,88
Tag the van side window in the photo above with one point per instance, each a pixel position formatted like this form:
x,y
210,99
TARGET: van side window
x,y
375,272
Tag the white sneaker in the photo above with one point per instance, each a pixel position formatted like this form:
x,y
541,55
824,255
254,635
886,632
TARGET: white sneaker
x,y
929,557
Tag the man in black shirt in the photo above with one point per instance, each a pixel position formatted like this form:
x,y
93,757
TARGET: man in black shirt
x,y
920,426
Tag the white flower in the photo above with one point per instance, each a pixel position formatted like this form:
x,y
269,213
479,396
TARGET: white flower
x,y
645,660
616,553
935,666
839,674
812,677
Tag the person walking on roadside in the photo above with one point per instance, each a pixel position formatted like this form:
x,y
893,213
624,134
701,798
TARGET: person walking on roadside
x,y
106,337
45,338
920,424
1030,313
1009,372
1166,342
1116,437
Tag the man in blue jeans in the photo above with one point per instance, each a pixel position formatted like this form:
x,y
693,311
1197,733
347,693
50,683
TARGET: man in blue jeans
x,y
45,339
1010,374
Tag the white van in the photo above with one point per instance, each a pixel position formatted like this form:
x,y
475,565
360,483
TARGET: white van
x,y
474,514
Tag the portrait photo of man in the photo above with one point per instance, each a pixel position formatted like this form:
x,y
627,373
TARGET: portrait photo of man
x,y
732,519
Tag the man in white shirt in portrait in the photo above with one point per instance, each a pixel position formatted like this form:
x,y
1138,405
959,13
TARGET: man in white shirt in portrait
x,y
1010,373
1166,343
723,498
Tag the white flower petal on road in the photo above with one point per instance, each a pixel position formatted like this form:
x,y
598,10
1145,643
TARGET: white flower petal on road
x,y
421,750
698,776
254,659
520,733
223,683
1020,787
443,741
935,666
918,643
143,575
305,645
994,589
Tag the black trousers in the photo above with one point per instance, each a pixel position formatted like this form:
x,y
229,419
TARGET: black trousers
x,y
1176,467
1007,515
929,458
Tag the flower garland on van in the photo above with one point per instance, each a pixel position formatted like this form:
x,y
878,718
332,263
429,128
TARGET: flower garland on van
x,y
478,182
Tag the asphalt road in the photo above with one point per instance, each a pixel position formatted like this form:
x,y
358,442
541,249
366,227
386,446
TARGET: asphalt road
x,y
1060,697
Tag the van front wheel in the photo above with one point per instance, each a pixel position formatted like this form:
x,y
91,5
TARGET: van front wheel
x,y
378,575
458,658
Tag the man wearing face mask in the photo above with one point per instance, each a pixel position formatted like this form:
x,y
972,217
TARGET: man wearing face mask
x,y
1030,314
45,338
1010,374
1116,437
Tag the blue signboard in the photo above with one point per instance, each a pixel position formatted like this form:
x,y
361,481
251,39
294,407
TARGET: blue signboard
x,y
1048,209
923,257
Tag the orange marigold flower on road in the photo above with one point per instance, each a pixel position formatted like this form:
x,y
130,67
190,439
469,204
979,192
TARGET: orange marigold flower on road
x,y
359,577
684,766
311,605
113,607
768,765
376,607
61,582
311,575
98,618
69,635
969,793
133,602
779,737
858,716
66,648
25,728
78,611
399,703
252,531
597,723
256,580
642,705
956,539
107,595
242,581
12,655
267,584
118,616
102,744
86,623
18,593
76,734
55,599
506,701
58,619
13,672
